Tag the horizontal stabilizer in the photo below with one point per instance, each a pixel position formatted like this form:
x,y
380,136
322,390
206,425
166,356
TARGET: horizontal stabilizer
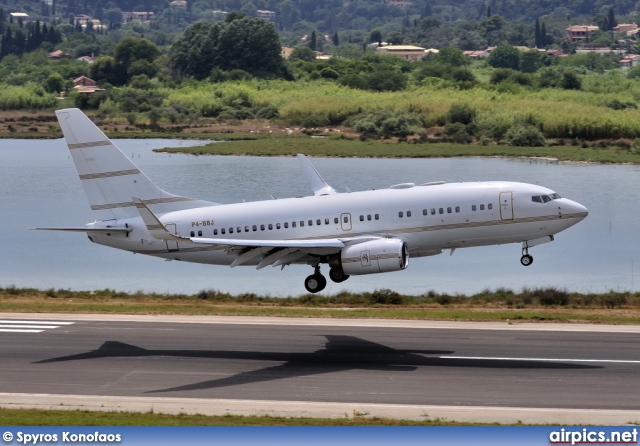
x,y
105,230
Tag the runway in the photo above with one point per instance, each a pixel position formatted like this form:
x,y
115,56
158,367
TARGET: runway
x,y
486,372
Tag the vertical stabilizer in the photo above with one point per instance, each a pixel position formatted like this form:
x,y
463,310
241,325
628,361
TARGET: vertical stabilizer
x,y
109,178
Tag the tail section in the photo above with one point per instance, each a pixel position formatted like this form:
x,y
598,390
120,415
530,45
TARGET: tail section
x,y
109,178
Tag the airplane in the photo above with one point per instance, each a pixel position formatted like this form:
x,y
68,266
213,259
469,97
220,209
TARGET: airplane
x,y
355,233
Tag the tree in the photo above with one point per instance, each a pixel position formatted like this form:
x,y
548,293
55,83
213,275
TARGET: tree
x,y
571,81
313,41
303,53
375,36
612,22
54,83
505,56
243,43
395,38
129,51
452,56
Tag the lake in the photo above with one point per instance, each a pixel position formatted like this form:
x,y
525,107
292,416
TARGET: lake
x,y
40,187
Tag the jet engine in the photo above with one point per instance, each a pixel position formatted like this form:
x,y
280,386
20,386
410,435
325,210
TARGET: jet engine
x,y
376,256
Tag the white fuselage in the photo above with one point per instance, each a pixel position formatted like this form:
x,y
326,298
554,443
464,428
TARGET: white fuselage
x,y
428,218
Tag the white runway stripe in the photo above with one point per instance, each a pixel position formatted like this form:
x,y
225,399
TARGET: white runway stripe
x,y
9,330
620,361
9,321
23,326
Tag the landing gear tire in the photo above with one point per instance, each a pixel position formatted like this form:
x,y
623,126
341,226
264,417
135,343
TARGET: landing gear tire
x,y
315,283
337,274
526,260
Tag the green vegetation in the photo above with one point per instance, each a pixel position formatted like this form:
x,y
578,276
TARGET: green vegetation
x,y
32,417
280,145
225,69
529,305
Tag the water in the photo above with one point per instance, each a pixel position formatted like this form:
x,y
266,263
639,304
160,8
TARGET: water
x,y
40,187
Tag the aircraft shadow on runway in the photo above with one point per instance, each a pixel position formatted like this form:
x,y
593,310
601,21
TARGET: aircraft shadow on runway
x,y
341,353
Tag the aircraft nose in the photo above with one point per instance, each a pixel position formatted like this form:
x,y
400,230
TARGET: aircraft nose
x,y
575,209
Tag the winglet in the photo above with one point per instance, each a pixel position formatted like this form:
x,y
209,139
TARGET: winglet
x,y
318,184
155,226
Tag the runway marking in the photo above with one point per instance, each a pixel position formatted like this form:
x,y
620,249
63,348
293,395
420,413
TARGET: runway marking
x,y
14,326
617,361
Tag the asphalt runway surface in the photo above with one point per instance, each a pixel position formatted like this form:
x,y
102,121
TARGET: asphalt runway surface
x,y
300,366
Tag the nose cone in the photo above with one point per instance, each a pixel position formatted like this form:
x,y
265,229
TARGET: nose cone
x,y
573,209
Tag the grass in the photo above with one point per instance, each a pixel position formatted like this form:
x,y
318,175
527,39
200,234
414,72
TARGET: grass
x,y
341,147
538,305
36,417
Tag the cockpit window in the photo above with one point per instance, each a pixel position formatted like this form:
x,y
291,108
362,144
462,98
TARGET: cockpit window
x,y
545,198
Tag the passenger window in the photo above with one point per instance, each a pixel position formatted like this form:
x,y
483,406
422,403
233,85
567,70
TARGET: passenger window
x,y
199,233
457,208
408,213
433,211
336,220
346,219
441,211
377,217
222,230
230,230
425,212
277,225
362,218
215,232
310,222
400,214
326,221
318,222
293,224
255,228
301,223
270,226
193,234
490,206
482,207
246,229
369,217
473,208
262,227
286,224
448,210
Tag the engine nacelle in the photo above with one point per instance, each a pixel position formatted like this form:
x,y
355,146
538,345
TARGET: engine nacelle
x,y
376,256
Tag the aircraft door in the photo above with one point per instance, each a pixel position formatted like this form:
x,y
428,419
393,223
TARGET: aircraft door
x,y
345,221
172,246
506,205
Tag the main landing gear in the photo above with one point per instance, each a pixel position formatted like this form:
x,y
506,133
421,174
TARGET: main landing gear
x,y
526,258
317,282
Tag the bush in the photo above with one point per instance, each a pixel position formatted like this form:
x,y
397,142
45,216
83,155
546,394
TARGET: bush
x,y
524,135
462,113
386,124
386,297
